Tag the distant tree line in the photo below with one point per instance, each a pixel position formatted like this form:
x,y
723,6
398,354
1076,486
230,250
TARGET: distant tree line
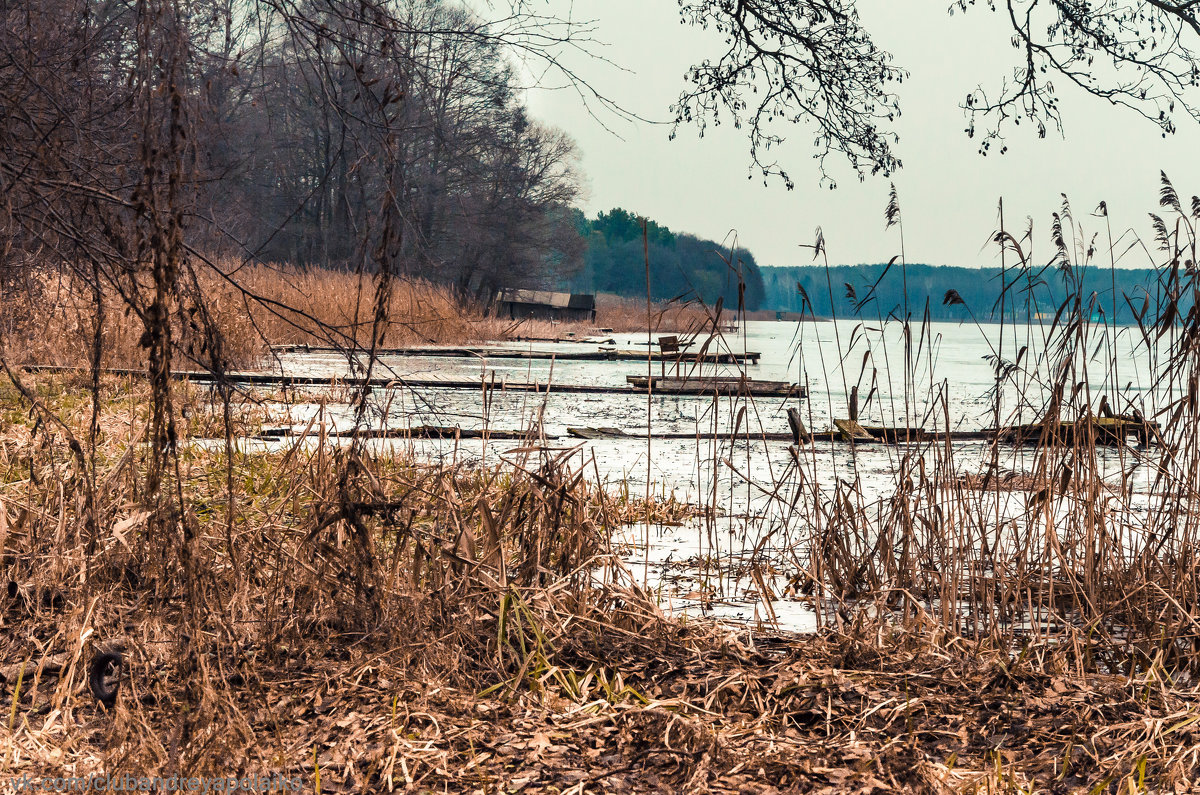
x,y
681,265
878,290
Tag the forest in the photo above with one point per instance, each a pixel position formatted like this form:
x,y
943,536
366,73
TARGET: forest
x,y
983,294
298,133
285,166
681,266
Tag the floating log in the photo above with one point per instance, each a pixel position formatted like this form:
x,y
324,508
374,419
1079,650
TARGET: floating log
x,y
714,385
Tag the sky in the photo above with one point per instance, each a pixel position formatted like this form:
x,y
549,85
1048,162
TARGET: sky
x,y
949,193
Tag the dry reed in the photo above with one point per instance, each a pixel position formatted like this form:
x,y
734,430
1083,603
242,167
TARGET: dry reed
x,y
254,307
352,615
490,643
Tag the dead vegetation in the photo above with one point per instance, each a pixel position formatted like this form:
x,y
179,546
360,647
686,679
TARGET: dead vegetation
x,y
346,614
630,314
252,307
52,320
370,622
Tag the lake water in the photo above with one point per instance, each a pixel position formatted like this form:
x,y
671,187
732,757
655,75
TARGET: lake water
x,y
944,377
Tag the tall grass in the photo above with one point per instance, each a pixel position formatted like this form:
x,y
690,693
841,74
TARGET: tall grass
x,y
478,571
1065,540
254,306
629,315
1041,599
49,318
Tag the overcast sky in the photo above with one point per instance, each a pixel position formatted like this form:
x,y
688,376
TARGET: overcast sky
x,y
948,192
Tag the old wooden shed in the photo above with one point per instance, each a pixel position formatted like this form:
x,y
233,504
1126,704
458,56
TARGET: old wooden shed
x,y
546,305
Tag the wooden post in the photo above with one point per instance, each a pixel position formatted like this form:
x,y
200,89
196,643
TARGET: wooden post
x,y
854,404
800,434
667,345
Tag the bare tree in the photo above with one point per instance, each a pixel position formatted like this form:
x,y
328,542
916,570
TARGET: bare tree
x,y
1139,55
813,63
789,62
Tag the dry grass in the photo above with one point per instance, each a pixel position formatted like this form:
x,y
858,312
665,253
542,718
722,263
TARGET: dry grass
x,y
51,320
343,302
478,638
254,306
350,613
629,315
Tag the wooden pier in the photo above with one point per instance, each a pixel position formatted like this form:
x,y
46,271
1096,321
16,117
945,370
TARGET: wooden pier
x,y
617,434
1107,431
843,432
601,355
697,387
714,385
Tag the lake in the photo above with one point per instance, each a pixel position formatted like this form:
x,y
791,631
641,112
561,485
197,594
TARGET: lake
x,y
944,377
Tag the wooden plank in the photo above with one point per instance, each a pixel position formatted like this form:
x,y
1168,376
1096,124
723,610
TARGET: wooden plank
x,y
897,434
719,385
837,435
594,434
317,382
640,381
597,433
681,357
602,355
852,431
617,433
1101,430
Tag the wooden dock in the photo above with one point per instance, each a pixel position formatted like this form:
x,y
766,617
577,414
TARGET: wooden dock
x,y
1108,431
601,355
697,389
714,385
617,434
871,435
